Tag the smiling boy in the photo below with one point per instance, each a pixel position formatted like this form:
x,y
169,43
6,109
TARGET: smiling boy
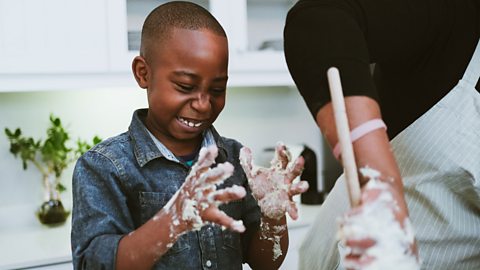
x,y
150,198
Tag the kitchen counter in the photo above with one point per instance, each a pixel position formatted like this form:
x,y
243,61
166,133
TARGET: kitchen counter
x,y
306,216
25,243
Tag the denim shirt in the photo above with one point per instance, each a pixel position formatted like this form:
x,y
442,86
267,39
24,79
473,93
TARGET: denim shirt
x,y
122,182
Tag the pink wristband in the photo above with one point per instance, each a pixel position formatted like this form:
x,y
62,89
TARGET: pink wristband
x,y
359,132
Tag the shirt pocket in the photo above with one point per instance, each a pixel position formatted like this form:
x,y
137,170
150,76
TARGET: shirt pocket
x,y
150,204
231,241
232,256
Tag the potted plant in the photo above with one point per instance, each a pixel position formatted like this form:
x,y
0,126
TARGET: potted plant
x,y
50,156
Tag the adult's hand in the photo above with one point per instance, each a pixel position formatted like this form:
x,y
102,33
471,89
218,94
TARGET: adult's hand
x,y
377,234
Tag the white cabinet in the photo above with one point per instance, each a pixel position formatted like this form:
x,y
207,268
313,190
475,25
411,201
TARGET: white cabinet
x,y
254,29
53,44
77,44
53,36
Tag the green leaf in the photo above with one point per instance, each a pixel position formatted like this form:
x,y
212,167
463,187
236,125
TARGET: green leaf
x,y
51,155
60,187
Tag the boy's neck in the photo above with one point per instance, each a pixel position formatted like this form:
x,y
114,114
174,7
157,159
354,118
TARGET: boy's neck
x,y
188,159
181,148
177,147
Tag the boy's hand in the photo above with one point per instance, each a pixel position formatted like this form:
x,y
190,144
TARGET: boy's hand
x,y
197,200
377,233
272,187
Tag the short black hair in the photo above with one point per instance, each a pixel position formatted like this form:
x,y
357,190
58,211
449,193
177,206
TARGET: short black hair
x,y
176,14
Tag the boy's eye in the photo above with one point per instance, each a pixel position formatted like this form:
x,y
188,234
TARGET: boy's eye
x,y
184,87
218,91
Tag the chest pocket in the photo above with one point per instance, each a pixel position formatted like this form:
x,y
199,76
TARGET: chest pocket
x,y
150,204
231,240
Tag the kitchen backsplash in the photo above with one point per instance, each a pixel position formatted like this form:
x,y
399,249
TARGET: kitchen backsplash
x,y
257,117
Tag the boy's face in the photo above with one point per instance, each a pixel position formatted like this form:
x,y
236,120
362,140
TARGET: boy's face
x,y
186,87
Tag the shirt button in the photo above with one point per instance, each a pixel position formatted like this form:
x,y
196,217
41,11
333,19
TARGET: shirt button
x,y
208,263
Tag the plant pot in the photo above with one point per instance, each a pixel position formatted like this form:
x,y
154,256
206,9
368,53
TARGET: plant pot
x,y
52,213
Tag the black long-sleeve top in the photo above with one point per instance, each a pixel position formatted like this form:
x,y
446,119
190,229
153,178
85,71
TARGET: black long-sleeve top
x,y
420,49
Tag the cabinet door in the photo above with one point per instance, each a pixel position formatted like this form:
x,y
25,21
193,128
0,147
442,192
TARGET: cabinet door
x,y
254,29
120,55
255,33
53,36
125,21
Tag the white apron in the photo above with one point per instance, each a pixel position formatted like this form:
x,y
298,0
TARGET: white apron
x,y
439,160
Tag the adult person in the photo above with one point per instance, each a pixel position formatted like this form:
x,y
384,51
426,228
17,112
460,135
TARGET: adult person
x,y
425,89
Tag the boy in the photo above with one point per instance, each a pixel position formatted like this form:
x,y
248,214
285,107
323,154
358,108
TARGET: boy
x,y
138,201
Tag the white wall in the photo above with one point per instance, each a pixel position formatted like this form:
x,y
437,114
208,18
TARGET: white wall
x,y
257,117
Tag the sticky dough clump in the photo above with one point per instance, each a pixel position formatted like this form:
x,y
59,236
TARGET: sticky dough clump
x,y
376,220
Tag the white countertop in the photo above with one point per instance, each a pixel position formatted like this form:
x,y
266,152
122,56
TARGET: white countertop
x,y
24,242
306,215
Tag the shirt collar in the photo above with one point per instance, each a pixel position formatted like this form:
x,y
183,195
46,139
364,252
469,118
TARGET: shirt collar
x,y
207,141
147,147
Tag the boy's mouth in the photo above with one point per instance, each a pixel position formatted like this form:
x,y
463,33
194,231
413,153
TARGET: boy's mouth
x,y
190,122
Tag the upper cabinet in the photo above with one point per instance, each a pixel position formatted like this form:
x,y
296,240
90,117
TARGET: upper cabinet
x,y
67,44
53,36
254,29
51,44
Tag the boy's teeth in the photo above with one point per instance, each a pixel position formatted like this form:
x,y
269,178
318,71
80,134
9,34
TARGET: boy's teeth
x,y
190,124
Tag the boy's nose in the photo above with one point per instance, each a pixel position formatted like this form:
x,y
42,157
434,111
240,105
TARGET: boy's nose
x,y
202,103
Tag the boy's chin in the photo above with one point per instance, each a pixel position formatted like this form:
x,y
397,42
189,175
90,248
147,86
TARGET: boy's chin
x,y
188,136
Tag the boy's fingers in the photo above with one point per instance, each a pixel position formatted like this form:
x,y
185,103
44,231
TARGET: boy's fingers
x,y
217,216
296,170
206,157
293,211
298,188
282,156
246,161
229,194
216,175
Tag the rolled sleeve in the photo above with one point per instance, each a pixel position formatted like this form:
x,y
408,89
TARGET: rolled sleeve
x,y
320,37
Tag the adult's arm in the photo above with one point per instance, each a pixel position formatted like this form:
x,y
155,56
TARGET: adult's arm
x,y
322,34
351,35
372,150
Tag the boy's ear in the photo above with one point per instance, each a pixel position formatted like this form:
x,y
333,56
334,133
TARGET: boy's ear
x,y
140,70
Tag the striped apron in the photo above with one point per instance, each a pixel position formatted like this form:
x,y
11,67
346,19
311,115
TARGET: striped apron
x,y
439,160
